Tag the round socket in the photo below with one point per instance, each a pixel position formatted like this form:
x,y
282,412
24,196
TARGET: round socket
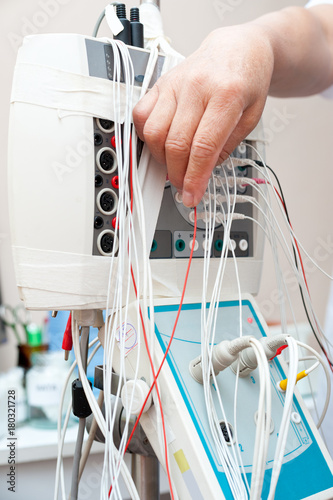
x,y
107,201
180,245
107,243
106,126
98,139
218,245
98,181
106,160
98,222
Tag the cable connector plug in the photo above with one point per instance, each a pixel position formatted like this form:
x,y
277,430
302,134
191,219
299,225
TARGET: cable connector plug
x,y
222,218
67,340
239,198
224,354
248,360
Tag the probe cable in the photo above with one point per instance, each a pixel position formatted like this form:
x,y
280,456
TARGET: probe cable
x,y
172,335
155,376
284,205
266,180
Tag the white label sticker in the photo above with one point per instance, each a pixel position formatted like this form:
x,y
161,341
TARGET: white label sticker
x,y
113,21
127,338
44,392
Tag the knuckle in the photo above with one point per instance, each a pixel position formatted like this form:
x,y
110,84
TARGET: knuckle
x,y
177,146
203,147
152,134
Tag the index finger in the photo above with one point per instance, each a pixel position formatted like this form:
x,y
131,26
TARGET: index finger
x,y
215,127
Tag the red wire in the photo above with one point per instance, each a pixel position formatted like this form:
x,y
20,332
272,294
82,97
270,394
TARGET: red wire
x,y
155,376
173,331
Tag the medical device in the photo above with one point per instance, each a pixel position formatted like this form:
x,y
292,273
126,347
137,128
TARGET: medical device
x,y
96,225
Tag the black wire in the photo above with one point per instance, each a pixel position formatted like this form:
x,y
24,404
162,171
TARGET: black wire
x,y
260,164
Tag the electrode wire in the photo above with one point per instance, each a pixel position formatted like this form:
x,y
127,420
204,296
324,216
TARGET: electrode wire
x,y
301,278
95,408
327,375
100,19
171,337
122,232
286,416
61,429
294,241
82,421
263,422
209,325
285,214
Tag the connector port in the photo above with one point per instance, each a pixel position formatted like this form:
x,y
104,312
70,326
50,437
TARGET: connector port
x,y
107,242
98,139
107,201
106,160
180,245
106,126
218,245
98,222
98,181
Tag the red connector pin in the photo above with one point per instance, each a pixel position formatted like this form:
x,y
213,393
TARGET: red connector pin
x,y
67,341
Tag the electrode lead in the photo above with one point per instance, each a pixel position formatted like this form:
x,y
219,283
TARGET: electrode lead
x,y
136,28
125,34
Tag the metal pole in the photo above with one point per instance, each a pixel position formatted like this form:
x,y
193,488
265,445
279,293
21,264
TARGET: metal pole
x,y
146,477
155,2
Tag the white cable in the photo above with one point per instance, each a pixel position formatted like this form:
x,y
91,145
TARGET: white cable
x,y
306,296
62,433
327,375
263,422
208,334
94,406
285,421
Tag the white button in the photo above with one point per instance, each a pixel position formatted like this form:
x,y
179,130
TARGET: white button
x,y
241,188
196,245
178,198
191,216
232,244
243,245
242,149
295,417
205,244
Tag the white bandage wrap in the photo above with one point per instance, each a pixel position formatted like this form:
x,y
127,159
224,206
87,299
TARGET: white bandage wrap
x,y
69,93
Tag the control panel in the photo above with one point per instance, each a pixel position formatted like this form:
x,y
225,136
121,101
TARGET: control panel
x,y
174,231
106,188
173,238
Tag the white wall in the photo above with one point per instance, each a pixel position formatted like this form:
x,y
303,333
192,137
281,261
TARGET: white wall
x,y
299,148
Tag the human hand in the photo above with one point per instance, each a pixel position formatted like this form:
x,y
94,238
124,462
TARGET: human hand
x,y
196,114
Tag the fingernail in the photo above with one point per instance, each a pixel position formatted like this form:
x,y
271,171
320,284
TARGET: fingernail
x,y
187,199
